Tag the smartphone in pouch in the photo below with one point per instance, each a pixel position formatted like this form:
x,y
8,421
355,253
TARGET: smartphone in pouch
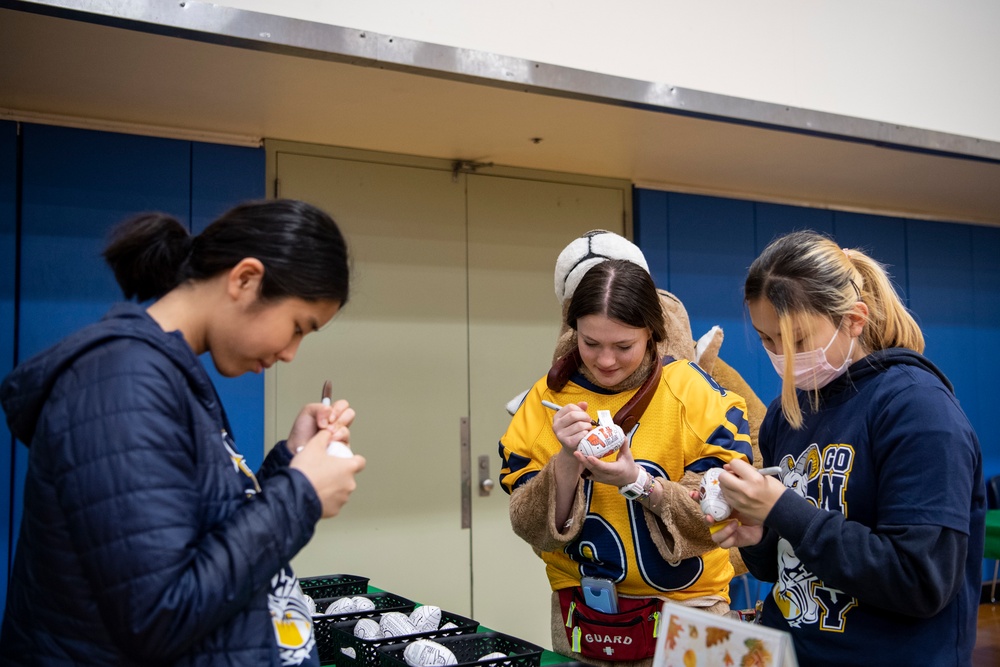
x,y
600,594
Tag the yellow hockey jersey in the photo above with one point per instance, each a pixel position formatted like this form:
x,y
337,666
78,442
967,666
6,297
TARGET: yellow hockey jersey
x,y
691,424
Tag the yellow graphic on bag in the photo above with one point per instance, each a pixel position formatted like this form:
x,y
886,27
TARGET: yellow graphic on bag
x,y
288,630
293,627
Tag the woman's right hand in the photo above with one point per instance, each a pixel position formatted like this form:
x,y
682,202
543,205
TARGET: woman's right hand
x,y
332,477
571,424
336,418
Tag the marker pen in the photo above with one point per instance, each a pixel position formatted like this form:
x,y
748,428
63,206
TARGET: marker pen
x,y
327,393
335,448
557,408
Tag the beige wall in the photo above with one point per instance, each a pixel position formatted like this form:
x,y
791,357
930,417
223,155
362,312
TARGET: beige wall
x,y
929,64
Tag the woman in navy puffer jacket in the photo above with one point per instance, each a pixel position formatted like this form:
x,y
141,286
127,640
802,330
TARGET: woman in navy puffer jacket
x,y
146,539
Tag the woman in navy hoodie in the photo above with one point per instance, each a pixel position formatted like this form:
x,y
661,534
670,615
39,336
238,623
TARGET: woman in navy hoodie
x,y
874,533
146,539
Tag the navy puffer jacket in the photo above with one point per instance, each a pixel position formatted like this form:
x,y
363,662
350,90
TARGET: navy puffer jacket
x,y
145,538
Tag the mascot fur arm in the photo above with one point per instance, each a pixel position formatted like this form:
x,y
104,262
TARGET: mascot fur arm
x,y
677,523
533,510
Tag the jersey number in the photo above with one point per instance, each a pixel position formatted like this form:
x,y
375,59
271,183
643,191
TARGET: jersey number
x,y
600,551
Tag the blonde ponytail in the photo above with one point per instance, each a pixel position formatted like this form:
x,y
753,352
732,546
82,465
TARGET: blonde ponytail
x,y
889,323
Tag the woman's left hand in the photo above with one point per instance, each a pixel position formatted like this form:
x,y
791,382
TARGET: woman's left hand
x,y
735,533
620,472
314,417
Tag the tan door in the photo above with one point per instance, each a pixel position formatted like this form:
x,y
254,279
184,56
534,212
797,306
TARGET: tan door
x,y
452,313
398,353
517,228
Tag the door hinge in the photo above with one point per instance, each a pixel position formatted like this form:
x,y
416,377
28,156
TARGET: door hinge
x,y
465,459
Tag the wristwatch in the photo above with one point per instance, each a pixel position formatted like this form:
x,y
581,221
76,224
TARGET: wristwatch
x,y
640,488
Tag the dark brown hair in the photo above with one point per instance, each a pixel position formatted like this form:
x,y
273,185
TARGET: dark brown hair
x,y
623,291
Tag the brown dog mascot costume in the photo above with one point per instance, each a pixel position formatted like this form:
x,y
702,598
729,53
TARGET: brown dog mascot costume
x,y
677,535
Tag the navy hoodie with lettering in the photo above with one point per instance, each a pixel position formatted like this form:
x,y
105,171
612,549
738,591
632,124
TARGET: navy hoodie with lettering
x,y
876,545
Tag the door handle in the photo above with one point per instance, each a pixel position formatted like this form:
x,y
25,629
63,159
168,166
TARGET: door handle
x,y
485,483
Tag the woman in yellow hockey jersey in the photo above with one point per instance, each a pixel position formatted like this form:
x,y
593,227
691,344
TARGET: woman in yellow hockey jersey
x,y
625,517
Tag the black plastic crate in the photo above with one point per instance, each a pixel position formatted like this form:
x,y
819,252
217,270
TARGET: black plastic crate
x,y
334,585
366,650
469,648
325,624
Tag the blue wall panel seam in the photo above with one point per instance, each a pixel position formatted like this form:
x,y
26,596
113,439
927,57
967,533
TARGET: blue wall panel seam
x,y
16,324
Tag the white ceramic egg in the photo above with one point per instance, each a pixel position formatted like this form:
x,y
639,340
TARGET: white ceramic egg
x,y
363,604
426,618
427,653
345,605
497,655
712,501
339,449
367,628
395,624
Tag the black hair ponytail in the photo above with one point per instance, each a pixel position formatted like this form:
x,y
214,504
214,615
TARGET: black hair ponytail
x,y
146,254
303,251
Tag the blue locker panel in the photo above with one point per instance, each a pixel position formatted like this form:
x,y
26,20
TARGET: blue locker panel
x,y
710,249
986,344
651,231
77,184
774,220
940,283
8,284
221,177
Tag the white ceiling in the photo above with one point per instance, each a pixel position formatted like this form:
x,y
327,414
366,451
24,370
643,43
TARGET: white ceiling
x,y
97,75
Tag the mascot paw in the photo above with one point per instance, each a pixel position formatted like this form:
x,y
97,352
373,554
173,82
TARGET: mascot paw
x,y
706,350
514,403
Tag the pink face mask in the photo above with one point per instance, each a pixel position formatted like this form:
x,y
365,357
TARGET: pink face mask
x,y
811,370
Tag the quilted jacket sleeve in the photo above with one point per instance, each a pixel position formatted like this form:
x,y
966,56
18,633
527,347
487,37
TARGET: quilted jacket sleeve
x,y
159,523
277,459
